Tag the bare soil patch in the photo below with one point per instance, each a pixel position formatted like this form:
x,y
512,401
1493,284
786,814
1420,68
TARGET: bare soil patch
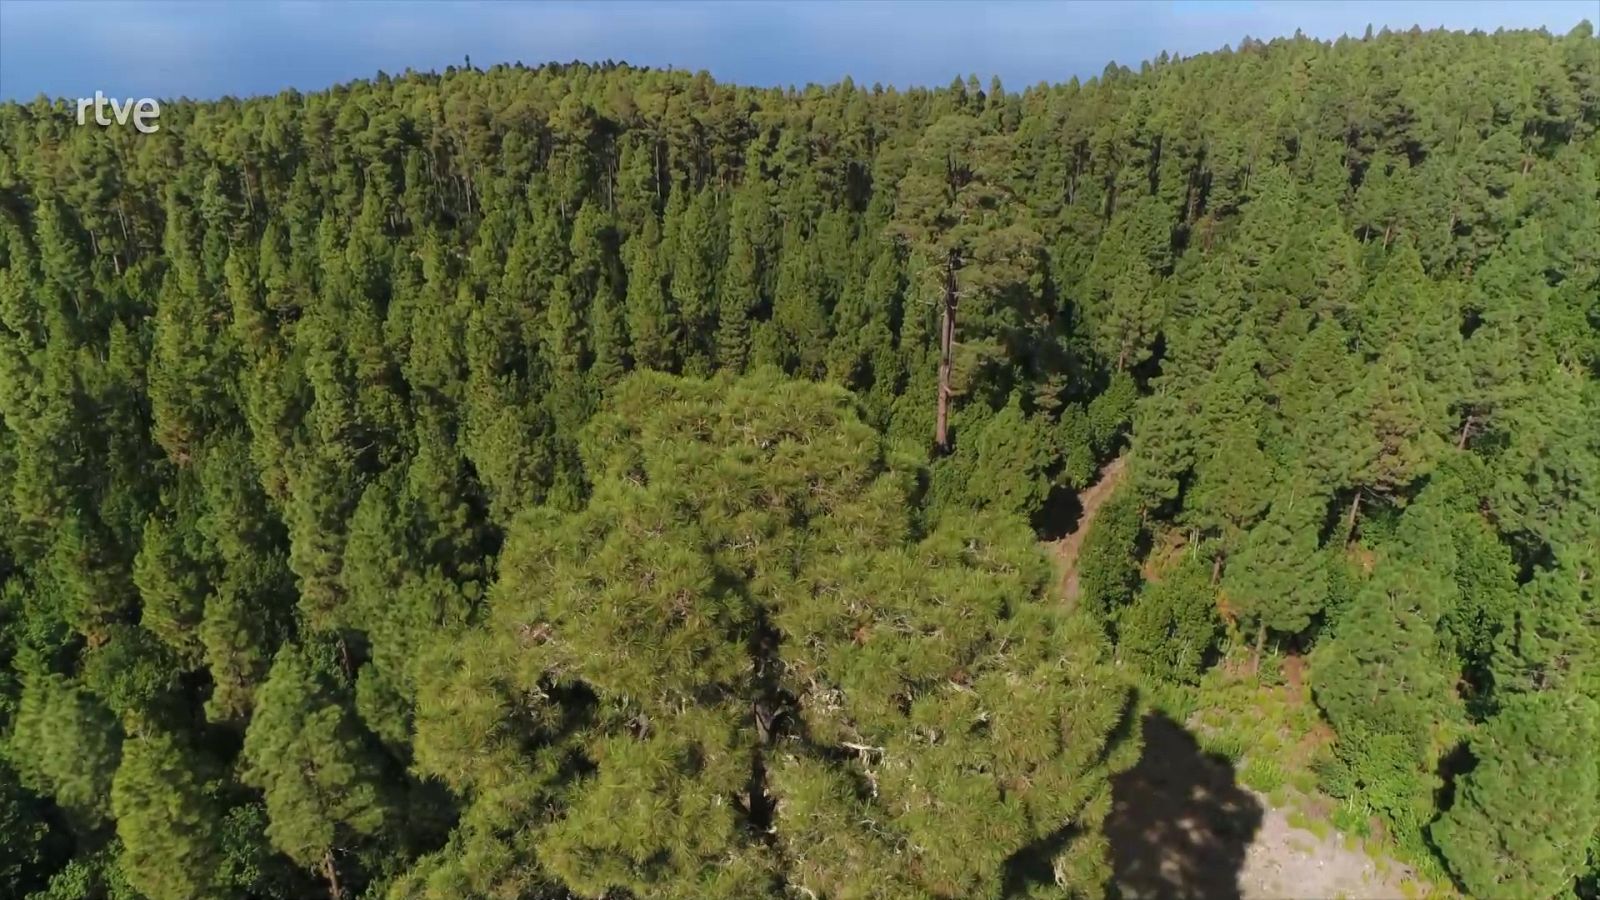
x,y
1284,861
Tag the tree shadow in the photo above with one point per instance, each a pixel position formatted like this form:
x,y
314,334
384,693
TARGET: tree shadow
x,y
1060,514
1180,823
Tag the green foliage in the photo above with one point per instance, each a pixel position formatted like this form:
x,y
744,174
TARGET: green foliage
x,y
741,612
1277,579
1005,464
301,439
319,770
1382,684
1505,837
1108,564
167,824
1171,627
24,835
66,745
93,875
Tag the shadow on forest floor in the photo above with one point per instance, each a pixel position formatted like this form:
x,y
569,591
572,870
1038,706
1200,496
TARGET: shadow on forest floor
x,y
1180,823
1060,514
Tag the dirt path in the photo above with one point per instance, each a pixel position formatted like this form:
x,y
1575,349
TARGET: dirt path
x,y
1089,500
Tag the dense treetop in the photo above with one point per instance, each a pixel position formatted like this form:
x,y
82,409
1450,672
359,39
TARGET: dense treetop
x,y
588,480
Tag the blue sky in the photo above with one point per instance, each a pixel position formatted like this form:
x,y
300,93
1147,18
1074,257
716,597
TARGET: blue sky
x,y
206,49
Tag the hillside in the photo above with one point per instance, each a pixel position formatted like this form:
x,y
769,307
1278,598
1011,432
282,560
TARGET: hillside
x,y
595,481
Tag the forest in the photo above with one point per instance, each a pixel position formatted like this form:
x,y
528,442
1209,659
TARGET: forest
x,y
595,481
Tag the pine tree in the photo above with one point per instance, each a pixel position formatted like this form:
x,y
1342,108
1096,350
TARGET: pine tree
x,y
1171,626
950,210
322,777
1136,251
741,294
1108,563
799,324
24,835
1383,681
1503,837
694,270
594,284
1277,579
1006,465
653,327
1548,484
168,824
684,656
174,581
66,745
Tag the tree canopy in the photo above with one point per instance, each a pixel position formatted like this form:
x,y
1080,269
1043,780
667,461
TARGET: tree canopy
x,y
588,480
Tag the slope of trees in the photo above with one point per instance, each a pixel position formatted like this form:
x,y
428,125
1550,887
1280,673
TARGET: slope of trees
x,y
602,481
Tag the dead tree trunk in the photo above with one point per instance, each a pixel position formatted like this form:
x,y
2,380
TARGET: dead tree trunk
x,y
947,340
1350,521
330,873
